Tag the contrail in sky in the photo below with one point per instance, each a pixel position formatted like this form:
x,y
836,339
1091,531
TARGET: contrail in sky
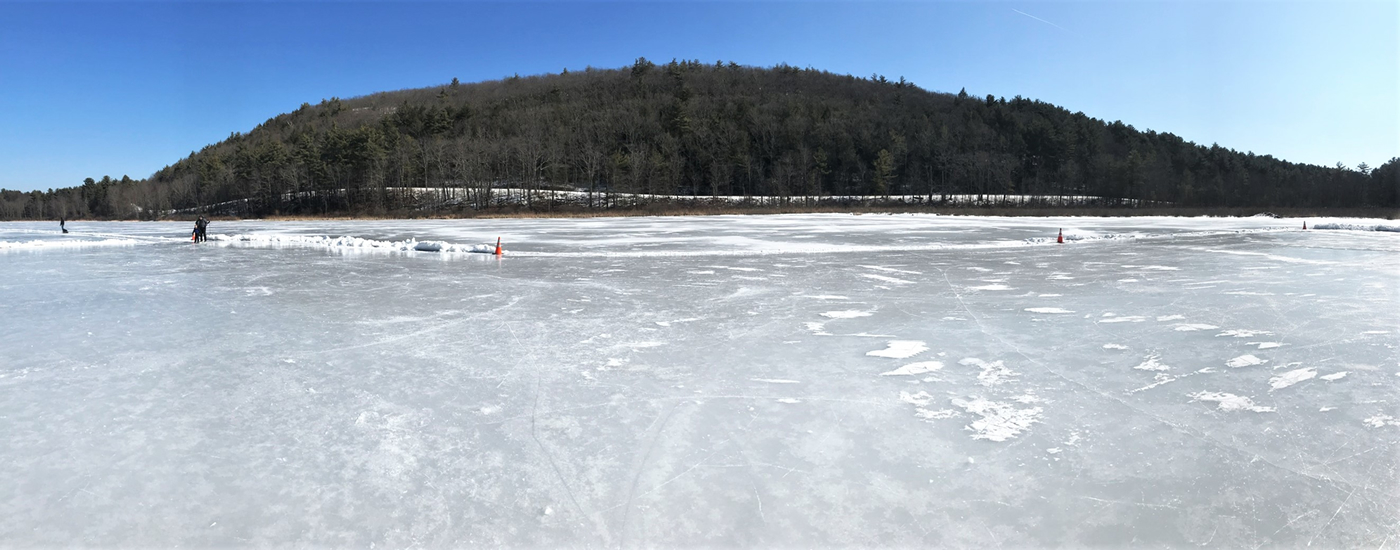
x,y
1041,20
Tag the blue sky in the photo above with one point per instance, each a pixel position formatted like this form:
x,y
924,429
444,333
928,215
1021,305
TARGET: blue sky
x,y
115,88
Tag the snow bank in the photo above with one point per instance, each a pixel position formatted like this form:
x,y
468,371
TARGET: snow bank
x,y
1358,227
62,244
349,243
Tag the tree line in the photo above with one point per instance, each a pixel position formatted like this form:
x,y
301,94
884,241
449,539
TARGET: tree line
x,y
694,129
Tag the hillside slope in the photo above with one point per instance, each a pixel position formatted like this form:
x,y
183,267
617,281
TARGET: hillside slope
x,y
690,128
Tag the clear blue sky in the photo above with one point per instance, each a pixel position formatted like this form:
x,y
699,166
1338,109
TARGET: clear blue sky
x,y
88,89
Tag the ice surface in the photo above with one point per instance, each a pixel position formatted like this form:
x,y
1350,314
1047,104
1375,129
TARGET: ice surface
x,y
681,382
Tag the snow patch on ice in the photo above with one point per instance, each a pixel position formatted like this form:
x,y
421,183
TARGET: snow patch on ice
x,y
1230,402
993,373
1243,333
885,279
900,349
1165,318
928,415
1335,376
1265,345
990,287
915,369
1189,327
846,314
775,381
920,399
817,328
1151,363
1048,310
1124,319
999,421
1292,377
1115,346
891,270
1245,361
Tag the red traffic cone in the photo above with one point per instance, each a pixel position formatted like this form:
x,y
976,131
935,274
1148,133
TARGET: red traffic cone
x,y
1305,224
1061,238
498,246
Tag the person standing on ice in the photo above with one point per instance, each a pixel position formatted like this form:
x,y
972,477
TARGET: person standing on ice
x,y
201,228
60,224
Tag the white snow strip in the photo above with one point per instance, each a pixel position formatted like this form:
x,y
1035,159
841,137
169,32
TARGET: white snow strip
x,y
774,380
1292,377
846,314
1265,345
891,270
1245,361
1124,319
1335,376
1274,257
1188,327
886,279
1230,402
1115,346
900,349
1048,310
1381,421
818,329
999,421
913,369
990,287
1358,227
1165,318
62,244
1243,333
348,243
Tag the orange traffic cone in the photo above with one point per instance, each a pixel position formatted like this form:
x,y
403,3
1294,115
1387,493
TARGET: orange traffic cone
x,y
498,246
1061,238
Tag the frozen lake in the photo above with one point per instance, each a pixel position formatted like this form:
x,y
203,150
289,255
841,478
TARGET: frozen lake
x,y
800,380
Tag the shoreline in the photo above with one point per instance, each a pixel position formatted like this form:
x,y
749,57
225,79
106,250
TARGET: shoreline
x,y
1010,212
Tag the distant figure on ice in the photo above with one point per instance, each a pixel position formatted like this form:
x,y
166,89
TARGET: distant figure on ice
x,y
201,230
60,224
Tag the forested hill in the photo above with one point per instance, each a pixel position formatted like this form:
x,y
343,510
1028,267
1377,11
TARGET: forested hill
x,y
690,128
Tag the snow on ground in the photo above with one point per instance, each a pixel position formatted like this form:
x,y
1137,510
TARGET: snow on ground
x,y
805,380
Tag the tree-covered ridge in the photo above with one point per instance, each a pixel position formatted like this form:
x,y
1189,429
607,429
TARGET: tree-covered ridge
x,y
690,128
